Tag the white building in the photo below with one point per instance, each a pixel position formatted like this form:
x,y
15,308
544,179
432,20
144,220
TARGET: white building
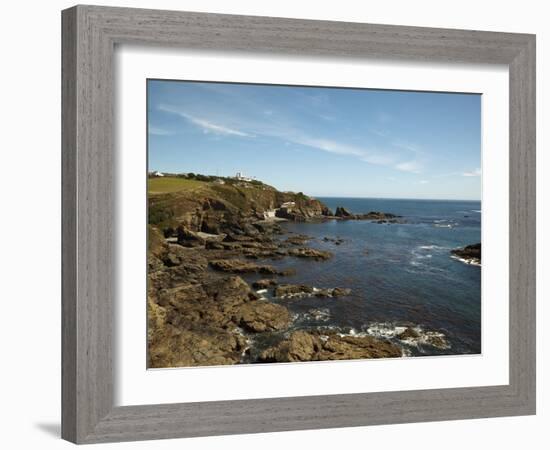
x,y
240,176
158,174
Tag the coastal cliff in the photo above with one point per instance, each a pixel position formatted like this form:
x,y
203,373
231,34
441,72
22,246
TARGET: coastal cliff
x,y
204,237
225,205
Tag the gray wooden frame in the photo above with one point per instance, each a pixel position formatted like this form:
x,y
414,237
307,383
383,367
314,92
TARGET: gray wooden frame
x,y
89,37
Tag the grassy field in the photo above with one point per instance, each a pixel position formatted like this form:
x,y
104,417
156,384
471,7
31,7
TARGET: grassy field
x,y
163,185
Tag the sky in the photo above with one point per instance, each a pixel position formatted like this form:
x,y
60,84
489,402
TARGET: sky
x,y
325,142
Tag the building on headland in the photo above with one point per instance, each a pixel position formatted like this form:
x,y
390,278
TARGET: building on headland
x,y
288,205
156,173
240,176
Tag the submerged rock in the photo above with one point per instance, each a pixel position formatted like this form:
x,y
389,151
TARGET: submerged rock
x,y
298,239
335,241
306,252
288,291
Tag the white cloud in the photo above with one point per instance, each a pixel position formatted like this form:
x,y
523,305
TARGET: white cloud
x,y
409,166
206,125
473,173
160,131
330,146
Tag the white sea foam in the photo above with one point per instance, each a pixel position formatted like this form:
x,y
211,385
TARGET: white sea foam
x,y
418,337
470,262
318,314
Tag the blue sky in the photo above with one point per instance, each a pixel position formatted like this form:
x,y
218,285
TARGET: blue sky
x,y
321,141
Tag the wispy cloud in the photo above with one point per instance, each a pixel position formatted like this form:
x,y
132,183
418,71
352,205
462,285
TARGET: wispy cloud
x,y
160,131
407,146
339,148
409,166
473,173
207,126
284,128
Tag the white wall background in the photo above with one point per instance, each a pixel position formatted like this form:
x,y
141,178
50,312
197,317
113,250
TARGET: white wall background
x,y
30,227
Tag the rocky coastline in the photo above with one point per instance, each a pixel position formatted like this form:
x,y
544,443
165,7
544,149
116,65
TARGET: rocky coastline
x,y
471,254
202,312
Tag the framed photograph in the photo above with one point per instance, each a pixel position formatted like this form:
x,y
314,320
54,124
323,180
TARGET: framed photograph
x,y
276,224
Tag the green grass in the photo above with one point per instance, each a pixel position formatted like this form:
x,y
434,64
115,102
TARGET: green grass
x,y
164,185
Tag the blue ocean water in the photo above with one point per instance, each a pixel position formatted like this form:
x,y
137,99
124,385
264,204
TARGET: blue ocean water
x,y
400,274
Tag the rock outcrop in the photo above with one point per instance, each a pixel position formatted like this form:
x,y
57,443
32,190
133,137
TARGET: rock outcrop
x,y
307,252
288,291
198,323
470,254
379,217
310,346
238,266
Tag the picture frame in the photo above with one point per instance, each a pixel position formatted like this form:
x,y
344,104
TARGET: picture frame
x,y
90,34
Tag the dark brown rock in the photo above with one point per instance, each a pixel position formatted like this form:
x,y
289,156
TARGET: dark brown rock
x,y
238,266
409,333
339,292
292,291
298,239
470,254
306,252
260,316
342,212
305,346
264,284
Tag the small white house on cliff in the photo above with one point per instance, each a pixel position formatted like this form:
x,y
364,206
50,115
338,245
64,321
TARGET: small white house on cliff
x,y
240,176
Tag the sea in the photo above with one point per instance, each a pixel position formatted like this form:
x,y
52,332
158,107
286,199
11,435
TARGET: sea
x,y
401,274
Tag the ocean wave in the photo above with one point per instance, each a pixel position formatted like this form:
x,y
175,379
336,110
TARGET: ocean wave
x,y
315,314
407,337
423,252
445,225
470,262
414,336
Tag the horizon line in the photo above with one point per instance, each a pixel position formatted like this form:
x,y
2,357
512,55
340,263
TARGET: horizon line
x,y
399,198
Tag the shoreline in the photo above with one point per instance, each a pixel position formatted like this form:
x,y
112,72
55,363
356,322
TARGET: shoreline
x,y
224,260
215,296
